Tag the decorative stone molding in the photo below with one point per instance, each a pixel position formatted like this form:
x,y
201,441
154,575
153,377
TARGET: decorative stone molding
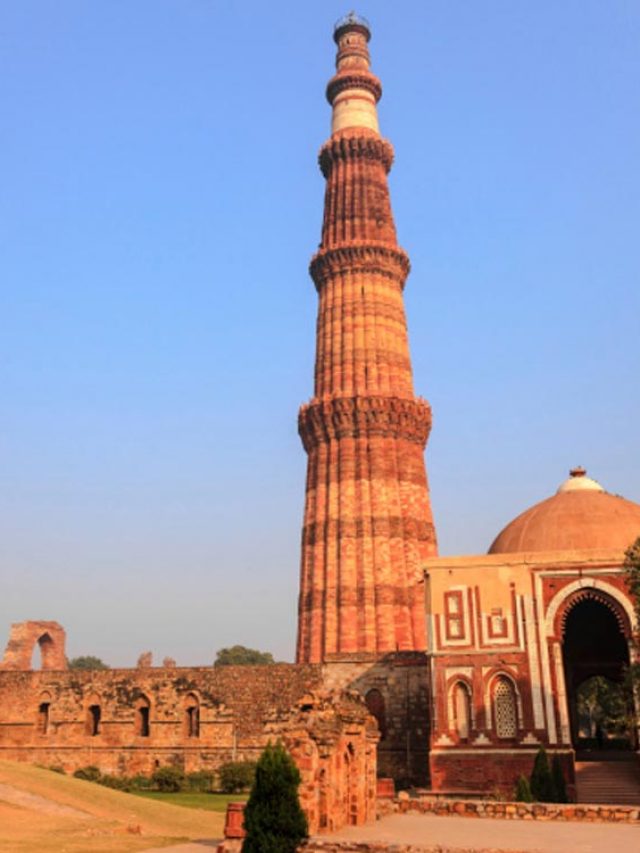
x,y
354,80
364,258
346,147
352,417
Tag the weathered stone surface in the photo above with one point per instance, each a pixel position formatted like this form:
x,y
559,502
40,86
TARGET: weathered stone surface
x,y
49,637
507,811
233,705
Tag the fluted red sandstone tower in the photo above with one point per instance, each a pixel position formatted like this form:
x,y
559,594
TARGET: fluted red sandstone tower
x,y
368,523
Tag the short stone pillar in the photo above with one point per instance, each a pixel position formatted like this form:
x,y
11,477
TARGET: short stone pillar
x,y
386,789
234,823
233,829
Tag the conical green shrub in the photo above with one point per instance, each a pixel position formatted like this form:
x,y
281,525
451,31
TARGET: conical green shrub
x,y
541,780
273,819
523,790
559,784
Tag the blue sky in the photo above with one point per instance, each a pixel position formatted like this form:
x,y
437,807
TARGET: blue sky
x,y
160,204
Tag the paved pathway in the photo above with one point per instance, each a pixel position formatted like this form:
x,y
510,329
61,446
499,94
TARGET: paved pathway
x,y
504,835
204,846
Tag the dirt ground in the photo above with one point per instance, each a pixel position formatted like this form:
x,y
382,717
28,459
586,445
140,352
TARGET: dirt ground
x,y
51,813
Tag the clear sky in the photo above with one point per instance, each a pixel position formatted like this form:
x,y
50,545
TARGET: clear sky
x,y
160,203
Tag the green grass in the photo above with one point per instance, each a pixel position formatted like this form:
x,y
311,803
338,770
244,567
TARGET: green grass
x,y
193,800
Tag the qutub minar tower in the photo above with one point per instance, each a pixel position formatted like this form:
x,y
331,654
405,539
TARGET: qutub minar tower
x,y
368,524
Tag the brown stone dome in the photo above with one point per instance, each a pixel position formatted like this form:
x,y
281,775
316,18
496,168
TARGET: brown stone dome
x,y
580,515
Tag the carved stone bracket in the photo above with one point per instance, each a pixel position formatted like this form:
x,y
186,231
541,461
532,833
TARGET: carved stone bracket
x,y
368,258
366,147
322,421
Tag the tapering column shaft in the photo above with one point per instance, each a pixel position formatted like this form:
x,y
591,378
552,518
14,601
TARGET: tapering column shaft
x,y
368,523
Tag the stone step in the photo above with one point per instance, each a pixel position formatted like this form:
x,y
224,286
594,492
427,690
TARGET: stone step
x,y
612,782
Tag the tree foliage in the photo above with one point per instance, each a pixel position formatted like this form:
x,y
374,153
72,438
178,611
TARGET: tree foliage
x,y
168,779
547,784
242,656
86,662
523,790
559,783
632,575
602,703
273,818
237,776
541,779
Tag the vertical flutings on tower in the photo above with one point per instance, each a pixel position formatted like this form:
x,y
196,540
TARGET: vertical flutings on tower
x,y
368,524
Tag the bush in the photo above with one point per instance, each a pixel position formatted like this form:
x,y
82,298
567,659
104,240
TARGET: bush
x,y
523,790
89,774
57,768
168,779
118,783
200,780
559,785
541,780
237,776
273,819
140,782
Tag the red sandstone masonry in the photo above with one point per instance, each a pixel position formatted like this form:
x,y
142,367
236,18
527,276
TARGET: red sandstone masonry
x,y
368,524
235,704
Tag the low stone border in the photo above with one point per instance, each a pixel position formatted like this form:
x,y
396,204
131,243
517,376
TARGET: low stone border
x,y
510,811
385,847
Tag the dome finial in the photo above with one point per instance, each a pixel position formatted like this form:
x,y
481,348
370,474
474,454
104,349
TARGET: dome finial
x,y
579,482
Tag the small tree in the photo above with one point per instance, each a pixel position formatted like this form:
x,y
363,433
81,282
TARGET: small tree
x,y
273,819
541,780
242,656
557,778
523,790
86,662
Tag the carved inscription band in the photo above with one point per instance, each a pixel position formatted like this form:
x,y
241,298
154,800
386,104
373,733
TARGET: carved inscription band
x,y
353,417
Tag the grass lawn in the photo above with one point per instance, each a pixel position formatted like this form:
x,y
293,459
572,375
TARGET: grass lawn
x,y
49,813
193,800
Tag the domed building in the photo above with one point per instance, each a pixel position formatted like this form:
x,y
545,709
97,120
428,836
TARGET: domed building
x,y
514,633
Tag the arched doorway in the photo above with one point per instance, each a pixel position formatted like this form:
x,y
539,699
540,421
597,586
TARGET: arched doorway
x,y
595,649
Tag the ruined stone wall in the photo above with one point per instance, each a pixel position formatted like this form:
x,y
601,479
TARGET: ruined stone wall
x,y
396,689
130,721
48,638
332,739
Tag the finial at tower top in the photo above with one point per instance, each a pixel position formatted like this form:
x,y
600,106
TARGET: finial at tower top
x,y
353,91
352,22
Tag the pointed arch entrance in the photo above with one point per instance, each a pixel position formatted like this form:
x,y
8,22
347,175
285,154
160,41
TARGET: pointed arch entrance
x,y
595,631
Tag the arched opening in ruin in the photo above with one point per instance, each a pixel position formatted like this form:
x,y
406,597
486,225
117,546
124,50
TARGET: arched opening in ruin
x,y
376,707
192,716
42,718
350,786
595,649
142,717
94,714
43,652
